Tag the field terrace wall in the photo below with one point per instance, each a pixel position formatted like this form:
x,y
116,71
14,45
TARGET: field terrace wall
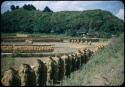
x,y
34,39
50,72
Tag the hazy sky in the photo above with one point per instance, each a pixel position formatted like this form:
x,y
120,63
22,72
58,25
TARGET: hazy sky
x,y
116,7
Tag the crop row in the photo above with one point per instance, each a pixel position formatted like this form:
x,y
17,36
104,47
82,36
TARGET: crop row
x,y
84,40
27,48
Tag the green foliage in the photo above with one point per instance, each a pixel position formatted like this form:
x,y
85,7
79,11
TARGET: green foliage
x,y
47,9
29,7
13,7
101,23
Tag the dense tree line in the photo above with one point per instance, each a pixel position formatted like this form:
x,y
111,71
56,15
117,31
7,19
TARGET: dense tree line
x,y
98,22
29,7
26,7
13,7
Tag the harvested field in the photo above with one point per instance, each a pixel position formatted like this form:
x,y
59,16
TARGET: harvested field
x,y
28,53
60,48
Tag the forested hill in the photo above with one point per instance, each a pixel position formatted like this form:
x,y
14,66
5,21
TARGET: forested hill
x,y
97,22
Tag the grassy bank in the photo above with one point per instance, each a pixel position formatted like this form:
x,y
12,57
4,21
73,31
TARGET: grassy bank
x,y
106,67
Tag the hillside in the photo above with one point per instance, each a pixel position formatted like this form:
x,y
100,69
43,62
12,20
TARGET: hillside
x,y
105,68
98,22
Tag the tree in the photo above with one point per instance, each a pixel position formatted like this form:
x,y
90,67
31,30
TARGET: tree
x,y
25,6
47,9
32,7
29,7
17,7
13,7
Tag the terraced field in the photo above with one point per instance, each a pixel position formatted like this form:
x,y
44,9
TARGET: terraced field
x,y
59,48
16,58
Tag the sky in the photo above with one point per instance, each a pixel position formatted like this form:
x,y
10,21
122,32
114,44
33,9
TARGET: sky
x,y
115,7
